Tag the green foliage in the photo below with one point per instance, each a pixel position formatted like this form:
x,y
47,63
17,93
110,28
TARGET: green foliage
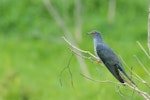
x,y
33,53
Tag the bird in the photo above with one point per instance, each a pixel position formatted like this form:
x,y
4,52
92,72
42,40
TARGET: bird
x,y
108,57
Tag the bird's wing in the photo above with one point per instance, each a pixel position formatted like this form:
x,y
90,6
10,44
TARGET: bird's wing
x,y
106,54
115,71
110,59
112,62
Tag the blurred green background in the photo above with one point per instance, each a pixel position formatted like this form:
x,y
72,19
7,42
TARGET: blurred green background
x,y
33,54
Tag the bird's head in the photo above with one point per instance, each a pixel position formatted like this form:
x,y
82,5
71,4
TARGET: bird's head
x,y
95,34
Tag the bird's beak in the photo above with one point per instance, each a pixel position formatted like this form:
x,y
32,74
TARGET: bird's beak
x,y
89,33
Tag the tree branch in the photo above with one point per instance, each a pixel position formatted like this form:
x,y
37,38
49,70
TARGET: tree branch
x,y
143,49
77,49
142,65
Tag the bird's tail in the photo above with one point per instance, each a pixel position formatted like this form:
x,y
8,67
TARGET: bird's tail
x,y
123,74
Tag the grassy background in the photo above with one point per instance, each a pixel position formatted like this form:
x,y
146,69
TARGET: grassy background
x,y
33,53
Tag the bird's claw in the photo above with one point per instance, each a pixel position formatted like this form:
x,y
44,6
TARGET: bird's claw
x,y
98,61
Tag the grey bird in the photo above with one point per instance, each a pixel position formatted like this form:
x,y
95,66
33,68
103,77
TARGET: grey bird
x,y
108,57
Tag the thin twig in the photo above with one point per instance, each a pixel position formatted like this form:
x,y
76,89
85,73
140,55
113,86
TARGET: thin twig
x,y
143,49
142,93
137,77
106,81
117,89
142,65
67,67
82,56
83,51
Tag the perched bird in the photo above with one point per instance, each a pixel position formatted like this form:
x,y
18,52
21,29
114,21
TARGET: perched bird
x,y
108,57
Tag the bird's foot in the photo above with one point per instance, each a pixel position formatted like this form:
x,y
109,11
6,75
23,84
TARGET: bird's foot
x,y
98,61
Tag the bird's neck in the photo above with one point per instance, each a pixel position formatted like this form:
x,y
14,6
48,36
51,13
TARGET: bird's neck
x,y
97,40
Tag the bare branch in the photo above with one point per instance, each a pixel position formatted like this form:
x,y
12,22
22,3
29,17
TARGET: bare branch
x,y
141,65
137,77
82,56
106,81
142,93
143,49
67,67
120,93
83,51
